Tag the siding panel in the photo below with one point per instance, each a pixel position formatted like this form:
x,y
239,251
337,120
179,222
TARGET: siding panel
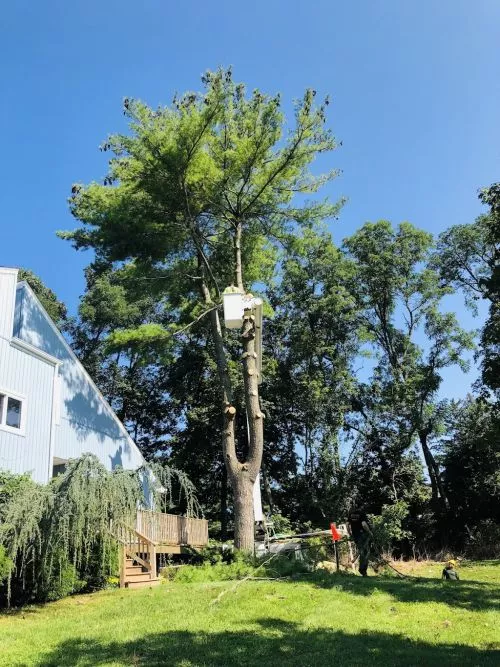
x,y
87,424
24,374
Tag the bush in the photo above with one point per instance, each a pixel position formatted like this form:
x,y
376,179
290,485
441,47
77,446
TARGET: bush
x,y
5,564
241,566
63,582
484,541
281,524
387,527
216,553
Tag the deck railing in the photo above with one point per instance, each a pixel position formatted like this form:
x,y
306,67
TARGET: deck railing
x,y
136,546
171,529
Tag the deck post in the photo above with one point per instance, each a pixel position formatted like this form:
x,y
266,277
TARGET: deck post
x,y
123,565
153,562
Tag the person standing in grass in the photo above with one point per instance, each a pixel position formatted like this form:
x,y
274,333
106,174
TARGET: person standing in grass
x,y
449,572
360,531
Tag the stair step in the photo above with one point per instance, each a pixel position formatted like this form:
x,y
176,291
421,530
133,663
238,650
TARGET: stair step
x,y
143,584
138,576
133,569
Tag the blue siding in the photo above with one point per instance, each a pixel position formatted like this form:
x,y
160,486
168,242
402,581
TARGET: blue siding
x,y
87,423
32,378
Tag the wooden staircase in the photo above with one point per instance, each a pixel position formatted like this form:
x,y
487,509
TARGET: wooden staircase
x,y
154,533
136,576
137,559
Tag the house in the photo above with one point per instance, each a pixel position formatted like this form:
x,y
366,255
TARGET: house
x,y
50,409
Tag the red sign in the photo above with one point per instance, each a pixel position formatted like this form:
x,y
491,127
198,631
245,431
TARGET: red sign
x,y
336,536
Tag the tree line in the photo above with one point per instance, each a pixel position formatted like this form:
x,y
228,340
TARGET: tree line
x,y
216,189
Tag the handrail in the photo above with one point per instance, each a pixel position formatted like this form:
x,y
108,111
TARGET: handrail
x,y
135,545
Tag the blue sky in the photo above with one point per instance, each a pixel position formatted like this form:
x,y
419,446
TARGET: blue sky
x,y
414,86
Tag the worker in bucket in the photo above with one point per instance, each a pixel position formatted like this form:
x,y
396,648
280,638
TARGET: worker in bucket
x,y
360,531
449,572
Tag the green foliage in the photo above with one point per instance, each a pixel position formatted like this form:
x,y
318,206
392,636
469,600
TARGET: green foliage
x,y
58,535
471,460
239,567
388,526
468,257
55,308
399,294
483,541
62,581
190,183
490,339
281,524
462,255
6,564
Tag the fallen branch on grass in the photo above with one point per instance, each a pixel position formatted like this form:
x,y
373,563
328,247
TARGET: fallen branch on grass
x,y
241,581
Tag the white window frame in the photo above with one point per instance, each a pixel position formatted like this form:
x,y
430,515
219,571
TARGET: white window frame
x,y
7,393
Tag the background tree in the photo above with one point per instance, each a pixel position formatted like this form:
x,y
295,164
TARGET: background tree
x,y
197,196
55,308
490,339
467,257
399,295
471,461
312,339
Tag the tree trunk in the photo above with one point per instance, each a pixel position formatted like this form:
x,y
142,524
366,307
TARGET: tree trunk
x,y
244,524
223,505
244,479
242,475
438,492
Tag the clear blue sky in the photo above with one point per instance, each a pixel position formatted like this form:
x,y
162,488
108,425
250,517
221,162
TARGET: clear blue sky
x,y
415,88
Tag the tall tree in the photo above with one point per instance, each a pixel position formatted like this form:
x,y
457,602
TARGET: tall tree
x,y
471,461
468,257
490,339
313,343
400,295
197,196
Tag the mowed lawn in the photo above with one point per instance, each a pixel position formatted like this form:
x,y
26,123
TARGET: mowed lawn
x,y
317,620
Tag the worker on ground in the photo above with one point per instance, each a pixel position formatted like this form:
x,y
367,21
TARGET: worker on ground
x,y
360,531
449,572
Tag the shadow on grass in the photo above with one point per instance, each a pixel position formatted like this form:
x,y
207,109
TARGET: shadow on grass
x,y
471,595
275,643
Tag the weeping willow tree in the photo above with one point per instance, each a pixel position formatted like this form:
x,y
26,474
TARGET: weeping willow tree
x,y
62,529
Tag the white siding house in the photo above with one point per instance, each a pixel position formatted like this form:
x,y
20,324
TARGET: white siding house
x,y
50,410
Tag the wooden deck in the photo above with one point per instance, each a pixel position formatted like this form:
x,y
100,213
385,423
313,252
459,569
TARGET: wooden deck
x,y
155,533
169,530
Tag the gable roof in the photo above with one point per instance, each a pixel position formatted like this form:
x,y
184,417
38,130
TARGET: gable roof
x,y
25,286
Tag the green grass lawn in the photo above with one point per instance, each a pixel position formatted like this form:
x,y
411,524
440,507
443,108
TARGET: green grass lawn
x,y
317,620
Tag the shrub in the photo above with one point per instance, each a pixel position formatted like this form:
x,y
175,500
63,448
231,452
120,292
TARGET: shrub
x,y
387,527
281,524
63,581
484,541
5,564
242,566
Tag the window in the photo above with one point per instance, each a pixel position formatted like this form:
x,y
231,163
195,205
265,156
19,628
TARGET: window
x,y
12,409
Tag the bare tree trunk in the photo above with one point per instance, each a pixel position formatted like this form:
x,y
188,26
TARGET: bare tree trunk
x,y
243,482
242,475
438,492
244,524
223,505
